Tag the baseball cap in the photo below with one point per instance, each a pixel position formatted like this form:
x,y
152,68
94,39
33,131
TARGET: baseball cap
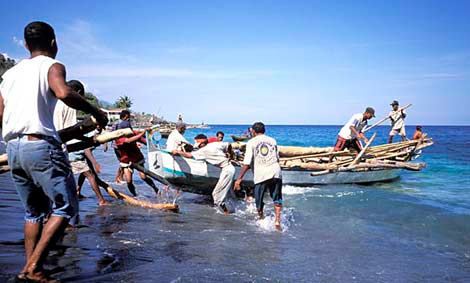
x,y
371,111
395,102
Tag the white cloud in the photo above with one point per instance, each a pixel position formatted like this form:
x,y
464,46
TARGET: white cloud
x,y
120,71
18,41
80,40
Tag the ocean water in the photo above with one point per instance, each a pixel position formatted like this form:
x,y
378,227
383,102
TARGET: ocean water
x,y
415,229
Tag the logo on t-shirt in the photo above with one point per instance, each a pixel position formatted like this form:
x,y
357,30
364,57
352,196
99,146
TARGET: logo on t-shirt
x,y
266,153
264,150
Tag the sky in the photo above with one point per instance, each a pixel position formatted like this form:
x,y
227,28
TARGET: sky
x,y
280,62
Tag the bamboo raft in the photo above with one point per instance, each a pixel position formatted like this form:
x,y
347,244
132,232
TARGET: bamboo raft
x,y
323,160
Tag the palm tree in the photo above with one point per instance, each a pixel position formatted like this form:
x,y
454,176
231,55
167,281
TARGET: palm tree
x,y
124,102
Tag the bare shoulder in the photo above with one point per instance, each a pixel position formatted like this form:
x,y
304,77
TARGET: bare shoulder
x,y
57,69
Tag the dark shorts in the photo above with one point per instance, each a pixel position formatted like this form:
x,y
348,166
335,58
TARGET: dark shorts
x,y
342,143
274,186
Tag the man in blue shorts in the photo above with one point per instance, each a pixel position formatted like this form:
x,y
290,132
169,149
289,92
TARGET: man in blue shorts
x,y
263,157
39,167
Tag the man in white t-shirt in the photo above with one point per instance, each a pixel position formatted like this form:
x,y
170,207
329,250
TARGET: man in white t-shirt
x,y
215,153
397,118
351,132
65,116
39,167
262,156
175,139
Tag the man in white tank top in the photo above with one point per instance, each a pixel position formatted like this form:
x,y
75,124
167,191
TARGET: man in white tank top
x,y
39,167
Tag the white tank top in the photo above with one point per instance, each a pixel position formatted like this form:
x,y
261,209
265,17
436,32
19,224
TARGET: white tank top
x,y
29,102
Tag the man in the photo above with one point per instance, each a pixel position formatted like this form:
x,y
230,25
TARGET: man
x,y
397,117
262,156
351,132
218,137
215,153
175,139
418,133
120,171
39,167
65,116
130,153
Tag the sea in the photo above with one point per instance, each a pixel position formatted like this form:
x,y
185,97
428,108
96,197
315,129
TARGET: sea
x,y
414,229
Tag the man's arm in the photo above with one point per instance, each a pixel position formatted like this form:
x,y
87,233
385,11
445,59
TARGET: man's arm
x,y
135,138
2,107
238,182
56,78
182,153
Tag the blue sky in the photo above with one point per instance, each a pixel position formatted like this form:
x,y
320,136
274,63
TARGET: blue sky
x,y
281,62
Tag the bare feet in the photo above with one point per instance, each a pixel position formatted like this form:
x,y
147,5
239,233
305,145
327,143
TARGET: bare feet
x,y
104,203
40,277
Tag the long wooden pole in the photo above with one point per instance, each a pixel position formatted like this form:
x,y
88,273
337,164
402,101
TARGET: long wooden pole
x,y
150,174
358,157
118,195
384,119
99,139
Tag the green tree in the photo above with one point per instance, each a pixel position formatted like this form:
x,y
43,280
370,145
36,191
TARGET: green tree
x,y
123,102
93,100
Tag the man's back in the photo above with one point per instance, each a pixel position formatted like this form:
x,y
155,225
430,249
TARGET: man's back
x,y
214,153
262,154
29,102
175,140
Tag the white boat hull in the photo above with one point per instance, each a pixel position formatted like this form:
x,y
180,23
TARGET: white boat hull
x,y
199,177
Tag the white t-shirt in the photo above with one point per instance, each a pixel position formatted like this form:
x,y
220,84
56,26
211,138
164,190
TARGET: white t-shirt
x,y
175,140
29,102
64,116
263,157
358,122
214,153
398,121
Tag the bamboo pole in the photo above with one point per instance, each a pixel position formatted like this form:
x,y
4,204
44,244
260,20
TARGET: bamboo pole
x,y
121,196
358,157
384,119
291,151
3,159
4,169
150,174
311,166
99,139
102,138
376,166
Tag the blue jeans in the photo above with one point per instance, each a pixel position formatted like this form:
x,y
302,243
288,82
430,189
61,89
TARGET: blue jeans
x,y
43,178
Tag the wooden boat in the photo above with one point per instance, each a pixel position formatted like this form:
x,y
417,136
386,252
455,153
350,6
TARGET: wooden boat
x,y
240,138
301,166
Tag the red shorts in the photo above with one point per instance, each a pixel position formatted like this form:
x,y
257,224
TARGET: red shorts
x,y
342,143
